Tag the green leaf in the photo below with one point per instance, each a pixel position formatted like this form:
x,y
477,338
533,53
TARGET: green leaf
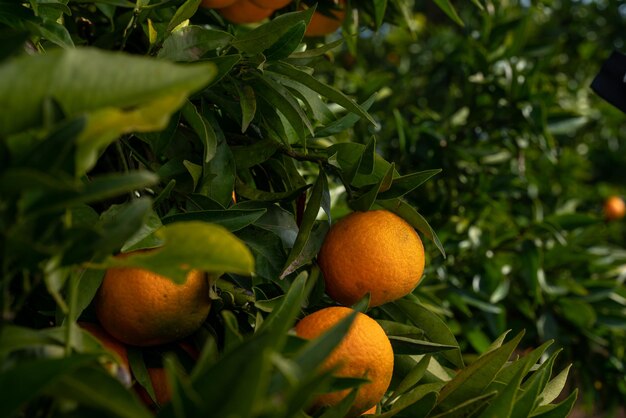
x,y
283,47
190,43
203,128
502,405
183,13
413,377
88,284
254,154
295,259
27,379
405,345
191,245
231,219
323,89
13,337
345,122
266,35
84,80
247,101
281,319
365,201
467,408
435,329
406,184
472,380
562,410
99,188
449,9
408,213
555,386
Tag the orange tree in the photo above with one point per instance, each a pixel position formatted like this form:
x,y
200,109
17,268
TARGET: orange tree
x,y
213,148
529,154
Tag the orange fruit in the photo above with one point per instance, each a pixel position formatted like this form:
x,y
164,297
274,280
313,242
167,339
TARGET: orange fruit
x,y
322,24
370,411
244,11
365,352
271,4
376,252
142,308
614,208
216,4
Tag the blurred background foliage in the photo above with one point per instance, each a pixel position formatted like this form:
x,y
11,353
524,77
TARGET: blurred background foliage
x,y
529,153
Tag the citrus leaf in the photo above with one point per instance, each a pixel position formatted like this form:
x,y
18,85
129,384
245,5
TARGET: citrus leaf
x,y
191,245
419,401
406,184
27,379
449,9
472,380
203,128
190,43
184,12
562,410
296,259
406,345
555,386
287,43
433,326
83,80
231,219
502,405
345,122
266,35
325,90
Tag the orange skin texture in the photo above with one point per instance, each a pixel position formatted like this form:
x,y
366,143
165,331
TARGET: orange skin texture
x,y
272,4
216,4
376,252
365,351
321,24
244,11
614,208
142,308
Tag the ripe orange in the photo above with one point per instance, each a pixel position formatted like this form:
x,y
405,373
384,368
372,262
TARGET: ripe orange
x,y
365,351
376,252
614,208
244,11
271,4
216,4
141,308
322,24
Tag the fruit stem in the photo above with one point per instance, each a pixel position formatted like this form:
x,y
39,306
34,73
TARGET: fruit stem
x,y
241,295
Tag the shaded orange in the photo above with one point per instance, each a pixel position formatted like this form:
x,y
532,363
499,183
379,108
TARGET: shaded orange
x,y
374,252
107,341
370,411
142,308
161,386
614,208
321,24
272,4
244,11
364,352
216,4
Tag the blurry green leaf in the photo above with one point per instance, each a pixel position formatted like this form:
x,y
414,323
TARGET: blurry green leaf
x,y
13,337
144,238
448,9
85,80
52,31
190,43
578,312
140,371
232,335
191,245
28,379
99,188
